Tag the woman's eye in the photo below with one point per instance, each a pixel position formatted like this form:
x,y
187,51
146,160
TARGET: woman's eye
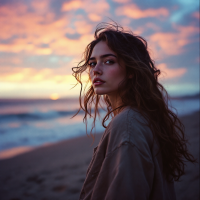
x,y
92,64
109,62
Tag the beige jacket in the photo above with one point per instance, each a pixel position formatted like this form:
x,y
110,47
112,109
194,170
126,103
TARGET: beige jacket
x,y
124,165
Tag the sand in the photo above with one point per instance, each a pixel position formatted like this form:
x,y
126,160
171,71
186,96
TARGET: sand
x,y
57,171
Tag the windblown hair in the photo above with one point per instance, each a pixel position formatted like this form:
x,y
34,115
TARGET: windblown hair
x,y
143,92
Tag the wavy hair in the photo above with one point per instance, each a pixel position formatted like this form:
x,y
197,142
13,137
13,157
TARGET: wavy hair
x,y
143,92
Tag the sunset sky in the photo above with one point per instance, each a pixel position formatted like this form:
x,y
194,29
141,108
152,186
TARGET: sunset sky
x,y
41,40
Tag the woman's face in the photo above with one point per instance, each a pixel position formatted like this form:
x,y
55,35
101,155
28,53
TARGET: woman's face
x,y
105,70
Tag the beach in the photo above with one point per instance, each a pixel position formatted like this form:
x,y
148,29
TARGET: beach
x,y
57,171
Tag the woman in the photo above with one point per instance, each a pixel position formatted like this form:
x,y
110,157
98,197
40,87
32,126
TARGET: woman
x,y
142,150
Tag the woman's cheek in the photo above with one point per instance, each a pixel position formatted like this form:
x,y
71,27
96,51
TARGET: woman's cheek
x,y
115,73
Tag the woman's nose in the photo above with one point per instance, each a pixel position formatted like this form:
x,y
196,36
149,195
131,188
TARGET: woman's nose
x,y
97,69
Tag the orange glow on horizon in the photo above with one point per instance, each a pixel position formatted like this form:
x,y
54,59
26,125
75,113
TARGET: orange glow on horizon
x,y
54,96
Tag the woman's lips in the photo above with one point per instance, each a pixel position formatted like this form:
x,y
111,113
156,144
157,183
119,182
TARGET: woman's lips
x,y
98,83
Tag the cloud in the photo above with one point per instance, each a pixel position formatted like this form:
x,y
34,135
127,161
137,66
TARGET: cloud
x,y
20,23
24,75
36,29
94,17
82,27
65,46
40,6
172,43
168,73
121,1
72,5
133,11
43,51
89,6
33,75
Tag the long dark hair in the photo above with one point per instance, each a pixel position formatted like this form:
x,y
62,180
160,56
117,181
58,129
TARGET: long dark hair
x,y
143,91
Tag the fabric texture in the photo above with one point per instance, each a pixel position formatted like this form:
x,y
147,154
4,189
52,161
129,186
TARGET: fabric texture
x,y
125,164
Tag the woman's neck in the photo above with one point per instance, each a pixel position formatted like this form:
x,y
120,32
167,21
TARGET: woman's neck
x,y
116,102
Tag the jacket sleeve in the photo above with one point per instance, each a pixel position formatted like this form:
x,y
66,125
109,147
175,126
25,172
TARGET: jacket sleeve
x,y
126,173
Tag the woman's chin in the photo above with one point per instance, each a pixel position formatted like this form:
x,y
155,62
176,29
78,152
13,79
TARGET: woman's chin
x,y
99,91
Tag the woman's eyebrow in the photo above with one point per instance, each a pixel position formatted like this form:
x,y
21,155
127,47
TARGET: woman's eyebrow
x,y
103,56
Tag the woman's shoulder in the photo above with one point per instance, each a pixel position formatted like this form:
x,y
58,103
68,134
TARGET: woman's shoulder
x,y
127,118
130,126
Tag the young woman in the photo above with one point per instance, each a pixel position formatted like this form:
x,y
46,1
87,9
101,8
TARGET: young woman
x,y
142,150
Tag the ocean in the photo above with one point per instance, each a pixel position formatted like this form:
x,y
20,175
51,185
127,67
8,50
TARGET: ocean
x,y
32,123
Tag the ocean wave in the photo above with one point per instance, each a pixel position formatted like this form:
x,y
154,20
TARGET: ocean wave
x,y
37,115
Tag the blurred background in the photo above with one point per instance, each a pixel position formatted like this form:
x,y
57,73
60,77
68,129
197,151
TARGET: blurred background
x,y
40,41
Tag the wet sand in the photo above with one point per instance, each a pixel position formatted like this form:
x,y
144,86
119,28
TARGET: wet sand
x,y
57,171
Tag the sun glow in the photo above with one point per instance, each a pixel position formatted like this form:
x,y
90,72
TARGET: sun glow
x,y
54,96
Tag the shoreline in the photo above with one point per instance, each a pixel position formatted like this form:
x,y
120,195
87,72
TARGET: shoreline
x,y
15,151
56,171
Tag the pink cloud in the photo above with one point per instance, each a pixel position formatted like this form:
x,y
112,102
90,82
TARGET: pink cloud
x,y
97,7
133,11
168,73
82,27
39,28
94,17
172,43
100,7
65,46
72,5
32,33
122,1
40,6
21,23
